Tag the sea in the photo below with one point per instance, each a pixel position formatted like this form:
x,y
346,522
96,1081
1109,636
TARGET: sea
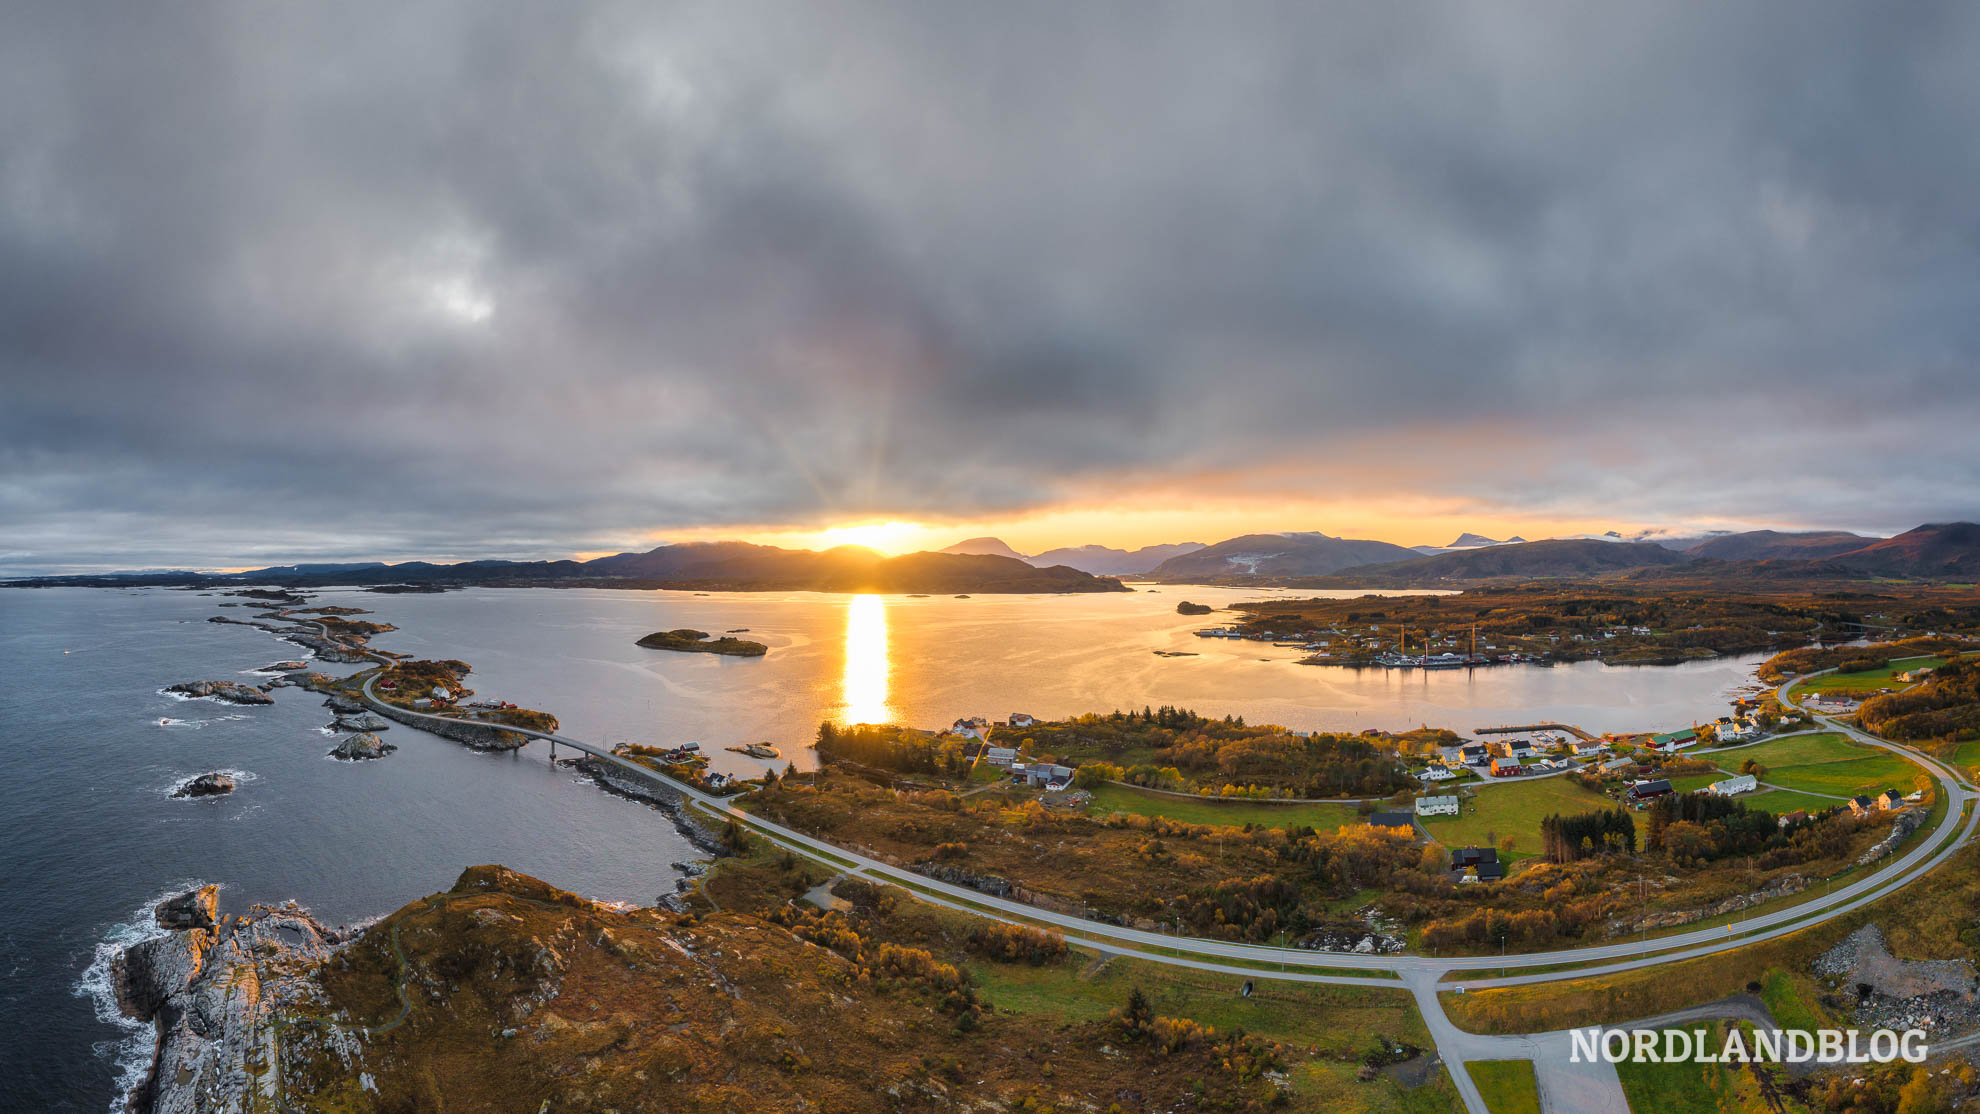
x,y
95,840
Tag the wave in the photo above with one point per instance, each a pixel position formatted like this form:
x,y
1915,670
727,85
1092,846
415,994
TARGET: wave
x,y
131,1052
169,721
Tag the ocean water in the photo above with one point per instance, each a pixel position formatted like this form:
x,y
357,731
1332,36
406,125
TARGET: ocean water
x,y
95,839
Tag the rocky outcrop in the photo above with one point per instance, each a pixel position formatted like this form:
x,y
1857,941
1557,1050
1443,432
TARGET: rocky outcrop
x,y
215,784
283,667
232,692
1906,823
615,779
193,909
1785,886
214,988
361,748
480,736
342,704
363,722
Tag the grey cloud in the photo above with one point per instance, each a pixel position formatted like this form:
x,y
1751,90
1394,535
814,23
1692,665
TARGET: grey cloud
x,y
484,279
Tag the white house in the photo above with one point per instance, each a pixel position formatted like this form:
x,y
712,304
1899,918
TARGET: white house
x,y
1019,719
1436,773
1744,783
1437,806
1000,756
1737,732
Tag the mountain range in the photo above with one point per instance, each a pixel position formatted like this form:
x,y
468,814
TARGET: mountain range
x,y
1099,560
1947,551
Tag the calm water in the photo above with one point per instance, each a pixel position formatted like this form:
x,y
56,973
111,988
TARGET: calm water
x,y
93,838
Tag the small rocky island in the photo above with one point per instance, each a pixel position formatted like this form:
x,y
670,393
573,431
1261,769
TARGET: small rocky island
x,y
215,784
1188,608
361,748
698,642
232,692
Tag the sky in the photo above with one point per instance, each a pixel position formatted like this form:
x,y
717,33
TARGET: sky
x,y
483,279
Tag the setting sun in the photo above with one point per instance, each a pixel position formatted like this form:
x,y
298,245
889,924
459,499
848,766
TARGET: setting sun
x,y
892,538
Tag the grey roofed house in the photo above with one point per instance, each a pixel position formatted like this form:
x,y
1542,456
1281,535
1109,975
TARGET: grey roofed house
x,y
1400,820
1473,856
1617,763
1645,790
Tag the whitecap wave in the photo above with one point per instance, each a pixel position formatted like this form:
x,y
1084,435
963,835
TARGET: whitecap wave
x,y
195,724
130,1052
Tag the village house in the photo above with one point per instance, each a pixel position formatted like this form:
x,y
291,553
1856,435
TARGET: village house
x,y
1616,765
1437,806
1890,800
1860,806
1436,773
1483,860
1643,792
1913,676
1674,740
1745,783
1045,775
1393,821
1019,719
1000,756
1475,754
1506,767
1787,818
1737,732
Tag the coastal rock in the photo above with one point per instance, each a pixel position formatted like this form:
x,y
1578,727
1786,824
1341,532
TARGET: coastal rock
x,y
206,785
365,722
231,692
193,909
283,667
338,702
212,991
359,748
614,778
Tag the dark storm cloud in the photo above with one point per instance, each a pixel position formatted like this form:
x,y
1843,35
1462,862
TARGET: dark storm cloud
x,y
470,279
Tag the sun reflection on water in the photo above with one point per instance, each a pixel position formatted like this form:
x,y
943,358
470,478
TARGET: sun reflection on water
x,y
868,669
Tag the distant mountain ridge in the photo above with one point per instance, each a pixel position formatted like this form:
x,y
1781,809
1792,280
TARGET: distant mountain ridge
x,y
984,547
1948,550
1101,560
1298,554
705,566
1767,545
1558,557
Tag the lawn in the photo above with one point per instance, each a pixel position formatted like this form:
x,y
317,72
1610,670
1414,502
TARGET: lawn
x,y
1870,680
1210,810
1779,801
1337,1018
1827,763
1513,809
1966,755
1509,1086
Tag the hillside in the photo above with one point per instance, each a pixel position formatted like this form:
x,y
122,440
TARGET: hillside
x,y
1102,560
1303,554
1934,550
984,547
1567,557
1772,545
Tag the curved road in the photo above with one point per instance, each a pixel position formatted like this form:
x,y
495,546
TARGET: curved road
x,y
1422,975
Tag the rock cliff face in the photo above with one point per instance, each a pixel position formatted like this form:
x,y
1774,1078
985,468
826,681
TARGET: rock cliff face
x,y
215,784
217,990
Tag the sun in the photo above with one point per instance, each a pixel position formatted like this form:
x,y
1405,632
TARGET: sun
x,y
890,537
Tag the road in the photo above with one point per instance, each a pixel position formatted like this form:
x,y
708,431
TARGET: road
x,y
1422,975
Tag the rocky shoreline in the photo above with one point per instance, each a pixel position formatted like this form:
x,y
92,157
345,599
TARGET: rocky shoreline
x,y
216,989
692,828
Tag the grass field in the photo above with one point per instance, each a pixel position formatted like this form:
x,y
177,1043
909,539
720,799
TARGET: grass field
x,y
1121,798
1966,755
1509,1086
1870,680
1779,801
1341,1022
1827,763
1513,809
1689,1085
